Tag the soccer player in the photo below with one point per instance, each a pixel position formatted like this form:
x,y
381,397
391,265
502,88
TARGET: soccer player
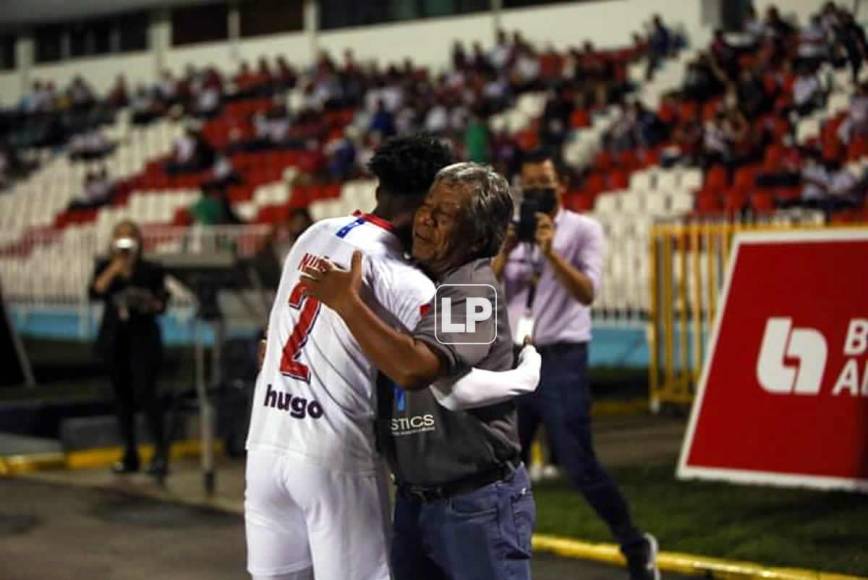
x,y
315,501
464,508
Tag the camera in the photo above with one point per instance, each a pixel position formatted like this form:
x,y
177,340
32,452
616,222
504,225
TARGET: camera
x,y
535,200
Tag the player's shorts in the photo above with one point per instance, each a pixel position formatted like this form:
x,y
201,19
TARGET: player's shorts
x,y
300,515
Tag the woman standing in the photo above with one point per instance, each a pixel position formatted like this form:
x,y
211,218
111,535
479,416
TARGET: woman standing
x,y
129,343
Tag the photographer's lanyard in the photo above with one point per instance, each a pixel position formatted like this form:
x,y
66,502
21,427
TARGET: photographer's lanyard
x,y
524,327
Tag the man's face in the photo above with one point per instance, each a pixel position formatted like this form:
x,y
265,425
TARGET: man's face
x,y
542,176
436,227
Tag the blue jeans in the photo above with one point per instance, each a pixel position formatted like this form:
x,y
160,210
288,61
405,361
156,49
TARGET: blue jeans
x,y
562,402
481,535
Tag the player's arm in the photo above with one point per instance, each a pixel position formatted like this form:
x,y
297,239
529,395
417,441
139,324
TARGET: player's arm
x,y
409,362
480,388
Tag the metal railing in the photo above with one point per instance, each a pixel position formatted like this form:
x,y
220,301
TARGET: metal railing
x,y
688,265
53,267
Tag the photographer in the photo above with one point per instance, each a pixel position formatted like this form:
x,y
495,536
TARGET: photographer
x,y
129,342
551,264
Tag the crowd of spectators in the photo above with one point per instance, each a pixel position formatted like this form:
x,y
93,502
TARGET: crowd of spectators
x,y
740,97
740,103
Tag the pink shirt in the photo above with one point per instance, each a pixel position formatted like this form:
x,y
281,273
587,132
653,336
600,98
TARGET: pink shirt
x,y
558,316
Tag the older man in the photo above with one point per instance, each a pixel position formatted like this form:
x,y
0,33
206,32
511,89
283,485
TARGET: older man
x,y
464,508
313,479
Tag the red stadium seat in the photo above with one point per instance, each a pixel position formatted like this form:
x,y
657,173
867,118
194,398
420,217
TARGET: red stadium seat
x,y
619,180
745,178
762,201
708,203
734,200
580,119
716,179
788,194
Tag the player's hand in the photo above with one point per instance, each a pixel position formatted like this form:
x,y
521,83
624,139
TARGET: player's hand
x,y
511,240
260,352
338,289
545,232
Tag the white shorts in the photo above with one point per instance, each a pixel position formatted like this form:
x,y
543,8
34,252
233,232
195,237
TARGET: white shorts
x,y
300,515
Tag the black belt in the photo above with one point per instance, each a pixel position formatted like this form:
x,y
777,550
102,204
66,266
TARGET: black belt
x,y
559,347
426,493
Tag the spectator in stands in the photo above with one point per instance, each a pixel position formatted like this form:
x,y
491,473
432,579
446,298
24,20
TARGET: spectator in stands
x,y
850,36
724,55
223,173
855,124
90,145
97,190
145,108
437,118
751,94
286,76
287,233
190,153
118,96
724,138
704,79
620,136
776,26
13,166
167,89
213,208
134,293
476,145
80,94
550,284
830,186
555,121
277,126
808,92
39,100
382,121
659,45
341,158
459,56
526,70
753,27
501,54
207,101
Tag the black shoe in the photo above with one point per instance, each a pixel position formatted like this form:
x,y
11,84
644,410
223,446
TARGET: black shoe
x,y
125,466
642,564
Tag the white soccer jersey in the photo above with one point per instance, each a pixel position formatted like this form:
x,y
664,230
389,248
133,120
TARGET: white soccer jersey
x,y
315,396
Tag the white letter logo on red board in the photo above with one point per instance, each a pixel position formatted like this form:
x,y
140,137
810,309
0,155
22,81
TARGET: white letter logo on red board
x,y
781,341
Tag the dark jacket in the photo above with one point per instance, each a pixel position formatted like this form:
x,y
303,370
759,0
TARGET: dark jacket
x,y
138,331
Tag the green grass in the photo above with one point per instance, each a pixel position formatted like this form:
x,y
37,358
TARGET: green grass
x,y
779,527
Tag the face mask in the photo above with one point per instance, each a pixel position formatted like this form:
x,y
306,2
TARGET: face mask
x,y
545,198
126,244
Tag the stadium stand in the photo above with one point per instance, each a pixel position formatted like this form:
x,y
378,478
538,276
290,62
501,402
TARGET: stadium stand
x,y
652,131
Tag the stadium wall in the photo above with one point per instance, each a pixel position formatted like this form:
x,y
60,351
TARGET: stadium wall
x,y
607,23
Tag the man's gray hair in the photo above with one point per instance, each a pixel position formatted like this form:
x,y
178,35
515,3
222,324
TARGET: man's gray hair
x,y
486,217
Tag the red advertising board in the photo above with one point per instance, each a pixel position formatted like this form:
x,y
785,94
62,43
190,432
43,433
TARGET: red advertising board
x,y
783,397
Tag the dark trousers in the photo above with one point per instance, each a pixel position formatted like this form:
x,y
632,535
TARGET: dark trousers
x,y
133,377
481,535
562,402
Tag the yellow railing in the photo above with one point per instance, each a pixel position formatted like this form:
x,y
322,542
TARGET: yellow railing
x,y
688,265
